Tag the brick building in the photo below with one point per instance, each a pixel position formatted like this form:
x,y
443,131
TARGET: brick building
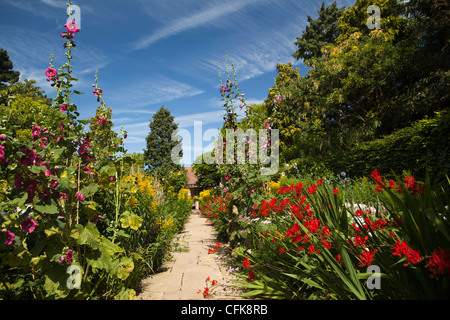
x,y
194,189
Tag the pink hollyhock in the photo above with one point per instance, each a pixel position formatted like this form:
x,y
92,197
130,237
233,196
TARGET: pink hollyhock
x,y
2,154
2,137
227,177
97,92
63,108
9,237
30,157
51,73
80,197
72,27
69,255
28,225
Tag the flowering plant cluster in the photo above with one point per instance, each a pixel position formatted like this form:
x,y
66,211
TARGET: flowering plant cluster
x,y
65,202
305,241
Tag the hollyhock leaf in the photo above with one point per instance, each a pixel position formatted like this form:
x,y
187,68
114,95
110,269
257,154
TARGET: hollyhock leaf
x,y
89,190
55,281
86,235
17,258
47,208
125,267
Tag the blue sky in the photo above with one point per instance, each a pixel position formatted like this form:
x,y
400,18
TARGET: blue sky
x,y
152,53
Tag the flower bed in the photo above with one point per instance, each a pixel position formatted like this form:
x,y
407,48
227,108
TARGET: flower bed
x,y
307,242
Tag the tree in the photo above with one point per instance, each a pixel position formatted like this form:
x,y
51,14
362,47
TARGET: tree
x,y
320,32
7,75
208,175
157,155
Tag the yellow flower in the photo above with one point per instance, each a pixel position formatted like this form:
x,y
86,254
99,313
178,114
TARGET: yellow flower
x,y
204,195
167,223
183,194
274,185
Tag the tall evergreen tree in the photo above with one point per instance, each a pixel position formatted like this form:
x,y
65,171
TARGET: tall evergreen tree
x,y
7,75
320,32
157,155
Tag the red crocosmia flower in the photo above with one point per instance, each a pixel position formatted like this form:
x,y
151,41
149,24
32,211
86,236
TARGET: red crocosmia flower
x,y
312,189
401,250
251,276
366,258
28,225
246,263
281,250
439,263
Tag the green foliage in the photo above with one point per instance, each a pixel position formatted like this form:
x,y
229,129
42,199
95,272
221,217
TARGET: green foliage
x,y
7,75
207,174
421,148
320,32
160,144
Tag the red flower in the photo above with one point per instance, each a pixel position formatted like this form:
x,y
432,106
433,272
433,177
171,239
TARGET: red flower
x,y
401,249
227,177
439,263
251,276
366,258
312,189
246,263
335,191
281,250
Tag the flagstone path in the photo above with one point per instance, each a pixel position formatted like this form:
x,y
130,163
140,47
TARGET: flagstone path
x,y
185,273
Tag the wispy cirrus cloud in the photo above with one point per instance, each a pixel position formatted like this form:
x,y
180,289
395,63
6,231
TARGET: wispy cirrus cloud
x,y
142,93
210,14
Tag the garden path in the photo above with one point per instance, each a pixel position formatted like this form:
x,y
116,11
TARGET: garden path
x,y
185,273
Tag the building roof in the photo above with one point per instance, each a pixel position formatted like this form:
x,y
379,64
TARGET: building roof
x,y
192,178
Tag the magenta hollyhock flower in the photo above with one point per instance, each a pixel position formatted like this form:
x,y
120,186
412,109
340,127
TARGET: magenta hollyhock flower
x,y
98,92
30,157
227,177
63,108
72,27
2,137
69,255
28,225
80,197
9,237
62,196
18,181
50,73
2,154
86,170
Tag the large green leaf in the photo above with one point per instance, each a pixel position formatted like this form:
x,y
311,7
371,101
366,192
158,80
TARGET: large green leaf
x,y
130,220
86,235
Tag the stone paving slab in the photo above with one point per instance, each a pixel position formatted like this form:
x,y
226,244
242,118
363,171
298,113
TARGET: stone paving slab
x,y
186,272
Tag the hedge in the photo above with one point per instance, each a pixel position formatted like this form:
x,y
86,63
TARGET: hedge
x,y
416,149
